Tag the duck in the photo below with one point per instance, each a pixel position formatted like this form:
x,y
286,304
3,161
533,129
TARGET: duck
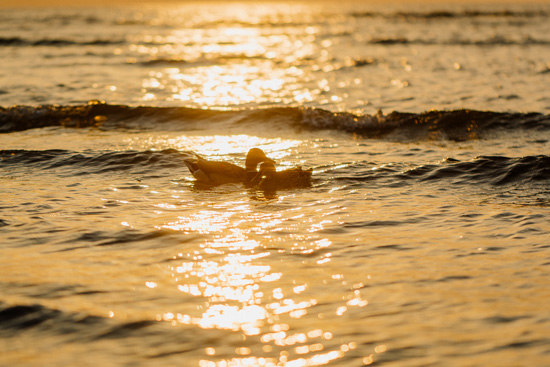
x,y
254,157
268,179
219,173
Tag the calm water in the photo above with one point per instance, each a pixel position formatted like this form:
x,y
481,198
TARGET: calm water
x,y
423,241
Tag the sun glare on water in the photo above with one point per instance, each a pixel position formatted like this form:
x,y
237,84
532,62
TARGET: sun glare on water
x,y
217,147
242,288
242,294
229,59
227,65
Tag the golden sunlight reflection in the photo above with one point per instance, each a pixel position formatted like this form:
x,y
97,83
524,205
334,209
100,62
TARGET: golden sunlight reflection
x,y
216,145
204,221
244,291
240,288
229,66
233,84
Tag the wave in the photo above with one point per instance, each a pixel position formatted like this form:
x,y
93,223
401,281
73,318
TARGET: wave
x,y
84,163
490,170
205,60
145,338
385,41
484,170
21,317
18,41
494,170
492,41
444,14
16,318
456,125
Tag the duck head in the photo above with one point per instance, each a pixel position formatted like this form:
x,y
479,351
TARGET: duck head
x,y
255,156
267,169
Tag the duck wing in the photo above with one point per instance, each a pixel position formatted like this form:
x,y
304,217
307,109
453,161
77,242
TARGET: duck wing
x,y
222,172
213,172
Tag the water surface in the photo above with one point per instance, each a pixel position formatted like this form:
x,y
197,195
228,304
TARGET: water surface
x,y
423,240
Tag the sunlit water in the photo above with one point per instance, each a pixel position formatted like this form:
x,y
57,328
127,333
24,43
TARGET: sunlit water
x,y
423,246
344,56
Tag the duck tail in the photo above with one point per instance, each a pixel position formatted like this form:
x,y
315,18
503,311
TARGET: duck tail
x,y
192,166
192,162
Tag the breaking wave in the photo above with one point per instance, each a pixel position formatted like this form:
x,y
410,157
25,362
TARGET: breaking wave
x,y
456,125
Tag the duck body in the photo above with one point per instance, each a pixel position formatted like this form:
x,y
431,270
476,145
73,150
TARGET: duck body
x,y
214,173
219,173
268,179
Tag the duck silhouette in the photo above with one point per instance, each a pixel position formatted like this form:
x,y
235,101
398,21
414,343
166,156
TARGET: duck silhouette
x,y
268,179
219,173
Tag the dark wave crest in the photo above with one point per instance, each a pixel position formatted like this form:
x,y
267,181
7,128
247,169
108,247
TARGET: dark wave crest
x,y
21,317
455,125
86,328
489,170
493,171
444,14
83,163
91,332
492,41
17,41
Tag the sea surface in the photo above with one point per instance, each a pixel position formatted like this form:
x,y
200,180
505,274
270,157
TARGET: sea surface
x,y
424,239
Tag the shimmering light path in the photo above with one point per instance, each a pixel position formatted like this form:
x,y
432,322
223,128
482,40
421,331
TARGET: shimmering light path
x,y
350,56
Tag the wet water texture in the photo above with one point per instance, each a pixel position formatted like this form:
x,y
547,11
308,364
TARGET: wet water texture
x,y
394,255
422,241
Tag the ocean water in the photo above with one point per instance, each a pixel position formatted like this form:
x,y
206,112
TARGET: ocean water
x,y
423,240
